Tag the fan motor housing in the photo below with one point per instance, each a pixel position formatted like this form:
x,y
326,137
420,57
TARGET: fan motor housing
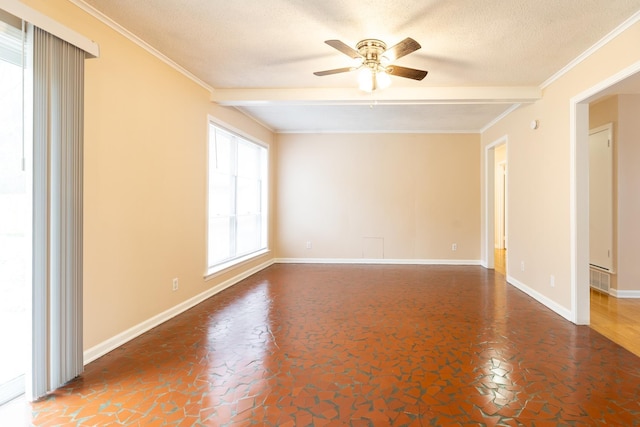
x,y
371,50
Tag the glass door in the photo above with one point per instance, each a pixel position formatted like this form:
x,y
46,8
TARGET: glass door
x,y
15,235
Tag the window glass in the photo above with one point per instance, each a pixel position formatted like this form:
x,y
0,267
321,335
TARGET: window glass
x,y
237,218
15,207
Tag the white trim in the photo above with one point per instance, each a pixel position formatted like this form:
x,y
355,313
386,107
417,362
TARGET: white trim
x,y
595,267
51,26
232,129
12,389
500,173
621,75
137,40
509,110
579,272
489,208
116,341
255,119
607,126
549,303
378,261
578,225
502,140
624,294
430,95
587,53
373,132
234,263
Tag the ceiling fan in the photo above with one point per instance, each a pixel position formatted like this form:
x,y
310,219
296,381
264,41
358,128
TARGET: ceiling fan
x,y
375,62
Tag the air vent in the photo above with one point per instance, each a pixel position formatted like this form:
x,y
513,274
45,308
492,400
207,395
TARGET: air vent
x,y
599,280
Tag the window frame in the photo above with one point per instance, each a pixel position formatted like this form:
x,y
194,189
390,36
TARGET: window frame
x,y
216,268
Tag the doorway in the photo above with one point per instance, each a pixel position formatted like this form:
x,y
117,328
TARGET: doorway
x,y
614,209
495,202
500,213
626,81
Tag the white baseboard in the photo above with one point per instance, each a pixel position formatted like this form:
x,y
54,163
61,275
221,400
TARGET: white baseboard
x,y
11,389
378,261
549,303
624,294
116,341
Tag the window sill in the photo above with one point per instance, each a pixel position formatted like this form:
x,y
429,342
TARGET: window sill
x,y
238,262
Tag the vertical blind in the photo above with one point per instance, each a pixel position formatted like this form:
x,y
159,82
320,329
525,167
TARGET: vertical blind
x,y
58,97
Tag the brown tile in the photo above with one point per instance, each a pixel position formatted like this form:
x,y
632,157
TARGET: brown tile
x,y
358,345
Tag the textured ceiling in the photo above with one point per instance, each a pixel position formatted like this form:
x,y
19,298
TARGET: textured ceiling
x,y
260,56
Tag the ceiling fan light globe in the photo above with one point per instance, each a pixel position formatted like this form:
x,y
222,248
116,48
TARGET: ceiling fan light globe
x,y
383,79
366,79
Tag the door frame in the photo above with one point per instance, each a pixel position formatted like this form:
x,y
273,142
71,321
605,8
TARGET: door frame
x,y
501,205
489,200
579,191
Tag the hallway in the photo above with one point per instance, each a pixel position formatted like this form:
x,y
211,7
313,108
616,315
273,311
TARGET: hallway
x,y
298,345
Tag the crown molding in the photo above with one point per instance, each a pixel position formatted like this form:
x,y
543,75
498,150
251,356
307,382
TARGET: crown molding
x,y
138,41
633,19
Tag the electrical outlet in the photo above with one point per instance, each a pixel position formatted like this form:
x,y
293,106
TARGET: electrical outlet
x,y
552,281
175,284
309,246
454,247
521,265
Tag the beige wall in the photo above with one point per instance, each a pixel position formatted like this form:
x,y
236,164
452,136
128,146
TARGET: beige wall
x,y
145,180
628,244
397,196
622,111
537,204
145,219
539,172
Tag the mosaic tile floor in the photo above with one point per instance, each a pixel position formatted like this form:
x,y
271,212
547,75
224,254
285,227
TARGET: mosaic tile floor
x,y
299,345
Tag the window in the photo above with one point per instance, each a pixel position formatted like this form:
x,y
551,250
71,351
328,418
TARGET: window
x,y
15,207
237,214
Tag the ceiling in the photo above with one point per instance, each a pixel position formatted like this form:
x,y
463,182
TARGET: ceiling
x,y
484,57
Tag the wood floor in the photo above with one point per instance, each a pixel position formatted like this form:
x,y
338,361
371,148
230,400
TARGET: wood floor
x,y
616,318
500,259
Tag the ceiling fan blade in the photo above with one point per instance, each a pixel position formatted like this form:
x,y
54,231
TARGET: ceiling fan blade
x,y
334,71
403,48
410,73
344,48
